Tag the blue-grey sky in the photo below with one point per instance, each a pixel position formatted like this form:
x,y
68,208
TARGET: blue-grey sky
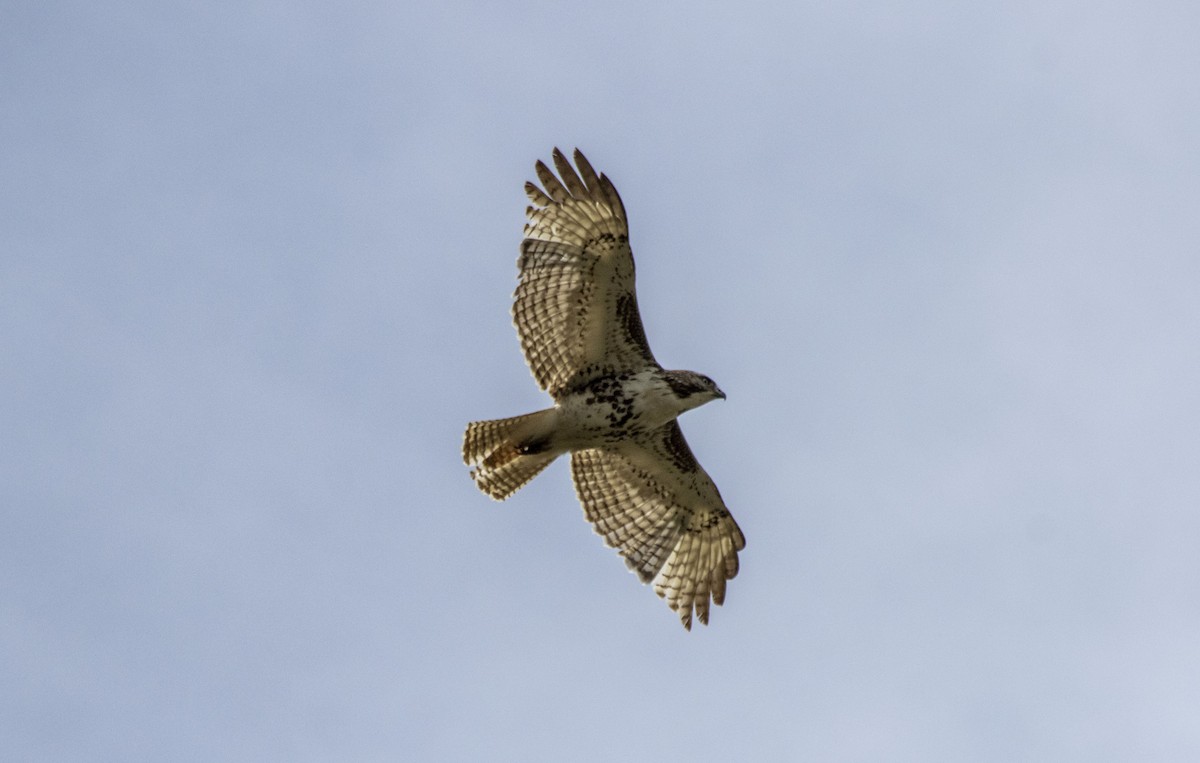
x,y
256,262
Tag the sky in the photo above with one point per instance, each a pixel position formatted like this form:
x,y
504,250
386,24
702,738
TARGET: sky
x,y
256,263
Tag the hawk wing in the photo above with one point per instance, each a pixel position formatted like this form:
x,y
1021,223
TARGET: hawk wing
x,y
657,506
575,308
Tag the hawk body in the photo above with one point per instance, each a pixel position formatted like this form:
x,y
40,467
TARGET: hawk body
x,y
615,407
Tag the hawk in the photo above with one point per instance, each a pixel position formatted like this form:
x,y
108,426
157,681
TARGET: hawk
x,y
615,407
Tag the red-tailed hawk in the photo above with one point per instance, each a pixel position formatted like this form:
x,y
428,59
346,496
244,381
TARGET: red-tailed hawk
x,y
615,407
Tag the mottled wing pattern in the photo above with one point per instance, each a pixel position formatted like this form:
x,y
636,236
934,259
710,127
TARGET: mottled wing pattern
x,y
651,500
576,308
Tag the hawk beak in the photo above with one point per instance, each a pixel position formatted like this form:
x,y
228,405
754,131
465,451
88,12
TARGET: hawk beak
x,y
720,394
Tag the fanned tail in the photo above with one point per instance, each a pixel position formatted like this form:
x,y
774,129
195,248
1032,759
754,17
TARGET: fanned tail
x,y
507,453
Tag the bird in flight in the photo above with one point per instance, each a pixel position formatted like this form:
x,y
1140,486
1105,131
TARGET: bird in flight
x,y
615,407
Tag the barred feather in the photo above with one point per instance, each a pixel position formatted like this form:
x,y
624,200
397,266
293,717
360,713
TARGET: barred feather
x,y
667,521
575,307
499,451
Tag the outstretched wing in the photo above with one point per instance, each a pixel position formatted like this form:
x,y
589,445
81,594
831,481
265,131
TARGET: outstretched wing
x,y
575,308
654,503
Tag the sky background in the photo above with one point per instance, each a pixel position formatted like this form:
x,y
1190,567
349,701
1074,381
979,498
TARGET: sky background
x,y
256,263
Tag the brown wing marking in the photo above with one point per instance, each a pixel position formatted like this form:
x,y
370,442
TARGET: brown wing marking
x,y
652,501
575,307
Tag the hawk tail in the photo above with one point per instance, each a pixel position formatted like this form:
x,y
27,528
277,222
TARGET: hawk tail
x,y
507,453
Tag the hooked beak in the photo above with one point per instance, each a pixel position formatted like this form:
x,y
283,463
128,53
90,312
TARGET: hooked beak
x,y
720,394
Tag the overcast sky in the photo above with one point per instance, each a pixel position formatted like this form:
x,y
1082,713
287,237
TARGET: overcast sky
x,y
256,263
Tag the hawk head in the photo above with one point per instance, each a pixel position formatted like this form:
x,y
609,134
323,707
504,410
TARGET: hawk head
x,y
692,389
